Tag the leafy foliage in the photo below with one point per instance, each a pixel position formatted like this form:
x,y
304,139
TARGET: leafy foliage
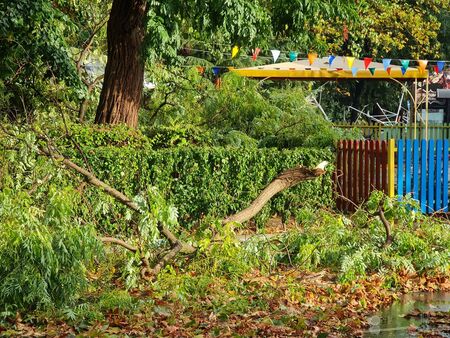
x,y
44,250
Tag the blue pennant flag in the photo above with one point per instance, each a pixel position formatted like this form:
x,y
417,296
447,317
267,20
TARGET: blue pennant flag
x,y
330,60
216,70
386,63
403,70
440,66
354,71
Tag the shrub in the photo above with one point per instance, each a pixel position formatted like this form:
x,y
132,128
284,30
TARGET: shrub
x,y
44,251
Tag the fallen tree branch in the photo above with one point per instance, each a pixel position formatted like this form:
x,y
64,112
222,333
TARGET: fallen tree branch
x,y
185,248
118,242
387,227
285,180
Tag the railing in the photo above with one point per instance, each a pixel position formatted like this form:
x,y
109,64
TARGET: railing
x,y
400,132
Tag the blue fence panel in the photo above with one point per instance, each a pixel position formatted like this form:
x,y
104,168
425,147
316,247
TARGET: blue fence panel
x,y
427,176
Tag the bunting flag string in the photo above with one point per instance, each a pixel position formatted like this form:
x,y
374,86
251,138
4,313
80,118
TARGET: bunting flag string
x,y
350,61
292,56
331,59
367,62
275,54
255,53
422,65
311,58
234,52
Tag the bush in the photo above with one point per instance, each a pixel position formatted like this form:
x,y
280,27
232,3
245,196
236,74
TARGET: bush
x,y
43,251
209,181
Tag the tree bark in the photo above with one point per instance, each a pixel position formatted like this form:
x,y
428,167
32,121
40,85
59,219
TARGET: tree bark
x,y
120,98
285,180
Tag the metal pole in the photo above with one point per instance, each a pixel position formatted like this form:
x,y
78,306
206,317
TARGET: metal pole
x,y
415,109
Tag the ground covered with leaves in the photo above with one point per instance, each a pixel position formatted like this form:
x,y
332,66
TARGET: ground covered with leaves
x,y
321,275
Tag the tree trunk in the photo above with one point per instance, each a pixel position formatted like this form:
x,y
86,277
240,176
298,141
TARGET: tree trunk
x,y
285,180
124,74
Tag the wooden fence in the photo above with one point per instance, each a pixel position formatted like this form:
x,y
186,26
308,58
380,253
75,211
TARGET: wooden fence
x,y
400,132
422,171
362,167
420,168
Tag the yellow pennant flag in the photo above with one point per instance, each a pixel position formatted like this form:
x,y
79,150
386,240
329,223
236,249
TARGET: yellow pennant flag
x,y
234,51
350,61
311,58
422,65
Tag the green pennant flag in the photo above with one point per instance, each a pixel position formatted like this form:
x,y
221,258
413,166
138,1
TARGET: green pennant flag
x,y
372,71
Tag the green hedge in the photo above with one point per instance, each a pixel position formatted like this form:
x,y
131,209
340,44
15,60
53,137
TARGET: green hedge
x,y
214,182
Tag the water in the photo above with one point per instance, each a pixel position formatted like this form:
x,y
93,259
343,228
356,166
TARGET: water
x,y
391,322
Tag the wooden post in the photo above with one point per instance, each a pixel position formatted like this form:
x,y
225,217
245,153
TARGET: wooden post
x,y
391,167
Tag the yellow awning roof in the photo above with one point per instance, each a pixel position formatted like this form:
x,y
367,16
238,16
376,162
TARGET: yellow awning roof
x,y
320,70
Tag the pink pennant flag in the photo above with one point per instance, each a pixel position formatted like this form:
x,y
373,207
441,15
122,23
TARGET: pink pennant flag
x,y
367,62
255,53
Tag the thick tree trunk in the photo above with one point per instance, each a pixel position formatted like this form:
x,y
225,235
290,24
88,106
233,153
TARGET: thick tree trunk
x,y
285,180
124,74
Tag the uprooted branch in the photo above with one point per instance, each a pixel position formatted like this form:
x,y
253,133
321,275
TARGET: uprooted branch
x,y
285,180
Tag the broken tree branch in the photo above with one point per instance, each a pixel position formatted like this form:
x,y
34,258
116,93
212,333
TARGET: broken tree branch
x,y
185,248
387,227
285,180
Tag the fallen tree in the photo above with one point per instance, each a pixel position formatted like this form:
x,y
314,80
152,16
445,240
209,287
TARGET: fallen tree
x,y
285,180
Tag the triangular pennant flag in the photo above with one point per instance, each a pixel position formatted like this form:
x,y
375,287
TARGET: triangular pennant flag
x,y
422,65
331,59
339,69
372,71
311,58
440,65
405,64
234,52
216,70
275,54
350,61
436,69
388,69
367,62
403,70
293,56
255,53
354,71
386,63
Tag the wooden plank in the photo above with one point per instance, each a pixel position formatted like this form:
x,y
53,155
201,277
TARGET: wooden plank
x,y
445,177
384,167
366,185
351,153
356,176
400,175
416,170
344,174
377,165
439,177
408,153
423,176
361,173
372,167
338,175
431,183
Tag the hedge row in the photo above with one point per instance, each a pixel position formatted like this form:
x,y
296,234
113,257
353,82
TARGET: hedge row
x,y
214,182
